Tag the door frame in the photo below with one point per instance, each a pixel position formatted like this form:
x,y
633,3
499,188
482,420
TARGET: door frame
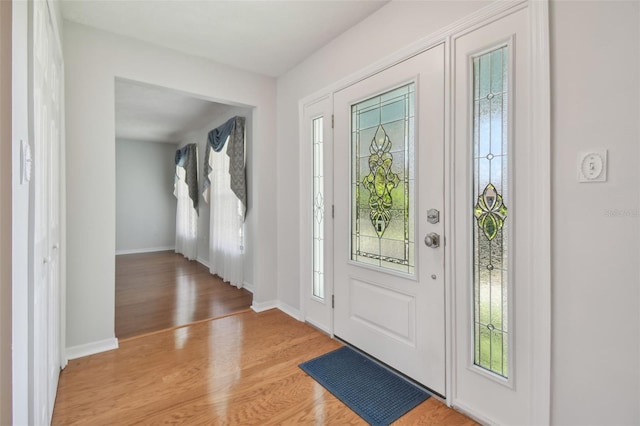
x,y
540,163
318,107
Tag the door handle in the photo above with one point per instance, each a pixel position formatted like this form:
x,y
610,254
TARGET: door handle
x,y
432,240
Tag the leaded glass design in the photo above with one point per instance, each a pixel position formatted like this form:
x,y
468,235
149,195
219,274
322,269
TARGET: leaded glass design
x,y
382,180
318,209
490,183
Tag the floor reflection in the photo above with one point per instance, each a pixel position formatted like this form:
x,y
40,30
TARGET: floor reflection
x,y
163,290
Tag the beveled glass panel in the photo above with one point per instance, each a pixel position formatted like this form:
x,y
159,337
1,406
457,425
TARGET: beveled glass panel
x,y
382,186
318,209
490,200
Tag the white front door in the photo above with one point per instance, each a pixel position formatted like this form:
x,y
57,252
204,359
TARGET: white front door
x,y
388,173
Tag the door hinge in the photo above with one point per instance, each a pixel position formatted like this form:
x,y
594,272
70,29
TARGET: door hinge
x,y
333,301
332,123
333,211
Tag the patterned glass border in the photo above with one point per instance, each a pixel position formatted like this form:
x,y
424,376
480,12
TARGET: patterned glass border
x,y
490,212
383,180
318,209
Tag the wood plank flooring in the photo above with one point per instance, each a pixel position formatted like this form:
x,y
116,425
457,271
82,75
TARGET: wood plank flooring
x,y
238,370
162,290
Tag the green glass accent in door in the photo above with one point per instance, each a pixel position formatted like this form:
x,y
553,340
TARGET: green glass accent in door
x,y
380,181
490,212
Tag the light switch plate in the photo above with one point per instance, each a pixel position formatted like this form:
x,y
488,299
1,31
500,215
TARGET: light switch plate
x,y
592,166
26,160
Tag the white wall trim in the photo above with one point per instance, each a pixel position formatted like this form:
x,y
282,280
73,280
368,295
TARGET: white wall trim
x,y
145,250
248,286
291,311
276,304
540,229
264,306
22,337
319,326
203,262
92,348
473,414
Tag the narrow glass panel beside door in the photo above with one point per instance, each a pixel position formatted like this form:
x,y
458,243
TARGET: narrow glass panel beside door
x,y
382,183
318,210
490,183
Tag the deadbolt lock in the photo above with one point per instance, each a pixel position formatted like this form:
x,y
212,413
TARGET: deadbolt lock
x,y
433,216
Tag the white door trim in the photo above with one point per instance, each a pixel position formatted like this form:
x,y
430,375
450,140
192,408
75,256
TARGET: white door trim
x,y
541,188
22,338
540,229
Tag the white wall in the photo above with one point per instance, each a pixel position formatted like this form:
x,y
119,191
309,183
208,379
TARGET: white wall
x,y
145,204
93,59
199,135
595,227
595,104
388,30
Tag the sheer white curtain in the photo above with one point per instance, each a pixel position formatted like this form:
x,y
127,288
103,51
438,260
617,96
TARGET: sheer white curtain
x,y
186,217
226,251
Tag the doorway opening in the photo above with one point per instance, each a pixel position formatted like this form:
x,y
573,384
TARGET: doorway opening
x,y
157,288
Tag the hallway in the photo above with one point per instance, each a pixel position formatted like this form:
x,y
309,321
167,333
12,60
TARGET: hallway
x,y
238,370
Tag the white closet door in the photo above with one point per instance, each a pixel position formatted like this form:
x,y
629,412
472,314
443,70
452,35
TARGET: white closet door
x,y
47,72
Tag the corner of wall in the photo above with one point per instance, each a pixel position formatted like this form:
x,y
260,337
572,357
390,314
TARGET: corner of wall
x,y
92,348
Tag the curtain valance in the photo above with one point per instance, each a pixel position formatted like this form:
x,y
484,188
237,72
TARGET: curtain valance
x,y
187,158
234,131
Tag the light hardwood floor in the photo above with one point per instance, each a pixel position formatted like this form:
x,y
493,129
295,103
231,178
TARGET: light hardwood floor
x,y
238,370
161,290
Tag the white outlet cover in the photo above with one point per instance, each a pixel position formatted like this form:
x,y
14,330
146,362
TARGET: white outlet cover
x,y
592,166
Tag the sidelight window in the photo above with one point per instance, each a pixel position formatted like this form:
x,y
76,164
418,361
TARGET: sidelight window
x,y
318,209
490,210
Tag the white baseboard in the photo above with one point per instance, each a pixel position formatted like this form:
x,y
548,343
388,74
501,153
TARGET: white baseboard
x,y
473,414
291,311
317,325
276,304
92,348
144,250
264,306
203,262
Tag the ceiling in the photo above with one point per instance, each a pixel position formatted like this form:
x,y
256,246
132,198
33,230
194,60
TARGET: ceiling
x,y
267,37
155,114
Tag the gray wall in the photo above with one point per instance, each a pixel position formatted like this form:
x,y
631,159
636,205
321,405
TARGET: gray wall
x,y
93,60
5,213
145,205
